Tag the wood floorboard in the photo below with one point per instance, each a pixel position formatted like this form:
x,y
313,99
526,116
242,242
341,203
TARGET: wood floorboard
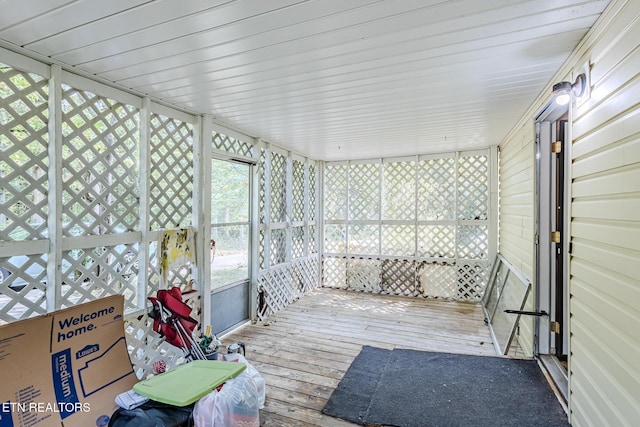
x,y
304,350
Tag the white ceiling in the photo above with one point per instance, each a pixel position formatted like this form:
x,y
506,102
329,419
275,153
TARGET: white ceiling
x,y
329,79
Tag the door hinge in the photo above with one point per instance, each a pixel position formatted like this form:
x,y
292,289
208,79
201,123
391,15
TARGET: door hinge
x,y
555,236
556,147
555,327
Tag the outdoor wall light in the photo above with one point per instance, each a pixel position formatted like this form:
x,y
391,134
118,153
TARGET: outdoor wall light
x,y
562,91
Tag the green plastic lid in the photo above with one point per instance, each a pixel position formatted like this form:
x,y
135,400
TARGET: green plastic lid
x,y
189,382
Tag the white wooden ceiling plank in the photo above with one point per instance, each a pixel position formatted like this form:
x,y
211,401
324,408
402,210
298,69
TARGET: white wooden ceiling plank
x,y
239,36
331,38
469,49
390,66
328,128
109,27
434,73
365,83
398,101
179,28
387,60
16,11
353,44
437,116
309,98
66,17
367,115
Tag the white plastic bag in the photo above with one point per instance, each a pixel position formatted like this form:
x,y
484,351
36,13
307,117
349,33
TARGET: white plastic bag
x,y
253,373
235,404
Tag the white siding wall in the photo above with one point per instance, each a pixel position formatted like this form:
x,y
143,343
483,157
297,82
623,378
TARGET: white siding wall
x,y
517,180
604,358
605,259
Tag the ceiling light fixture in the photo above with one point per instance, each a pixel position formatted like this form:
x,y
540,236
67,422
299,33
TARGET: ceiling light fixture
x,y
562,91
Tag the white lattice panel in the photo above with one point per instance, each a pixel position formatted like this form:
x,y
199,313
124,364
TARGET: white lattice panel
x,y
335,194
278,246
145,346
262,187
473,242
275,293
449,213
437,241
398,240
437,280
334,272
23,155
280,286
278,194
231,145
171,176
364,239
261,250
363,274
297,192
94,273
473,188
399,277
313,202
364,191
23,286
297,242
313,240
471,279
99,164
399,191
304,274
335,238
437,189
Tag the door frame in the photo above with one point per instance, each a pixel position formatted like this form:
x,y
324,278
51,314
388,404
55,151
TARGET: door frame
x,y
222,298
546,272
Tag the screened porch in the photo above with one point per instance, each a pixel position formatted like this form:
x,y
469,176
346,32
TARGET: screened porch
x,y
344,174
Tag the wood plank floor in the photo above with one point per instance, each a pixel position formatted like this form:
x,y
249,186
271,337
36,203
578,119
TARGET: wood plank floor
x,y
304,350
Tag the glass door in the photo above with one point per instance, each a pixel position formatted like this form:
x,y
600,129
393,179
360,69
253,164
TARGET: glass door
x,y
230,237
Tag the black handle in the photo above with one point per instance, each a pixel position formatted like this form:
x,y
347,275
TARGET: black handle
x,y
528,313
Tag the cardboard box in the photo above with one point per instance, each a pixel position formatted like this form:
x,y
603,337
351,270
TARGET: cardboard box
x,y
65,368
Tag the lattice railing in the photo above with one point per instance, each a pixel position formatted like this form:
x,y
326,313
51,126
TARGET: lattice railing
x,y
334,272
399,277
146,346
363,274
284,284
